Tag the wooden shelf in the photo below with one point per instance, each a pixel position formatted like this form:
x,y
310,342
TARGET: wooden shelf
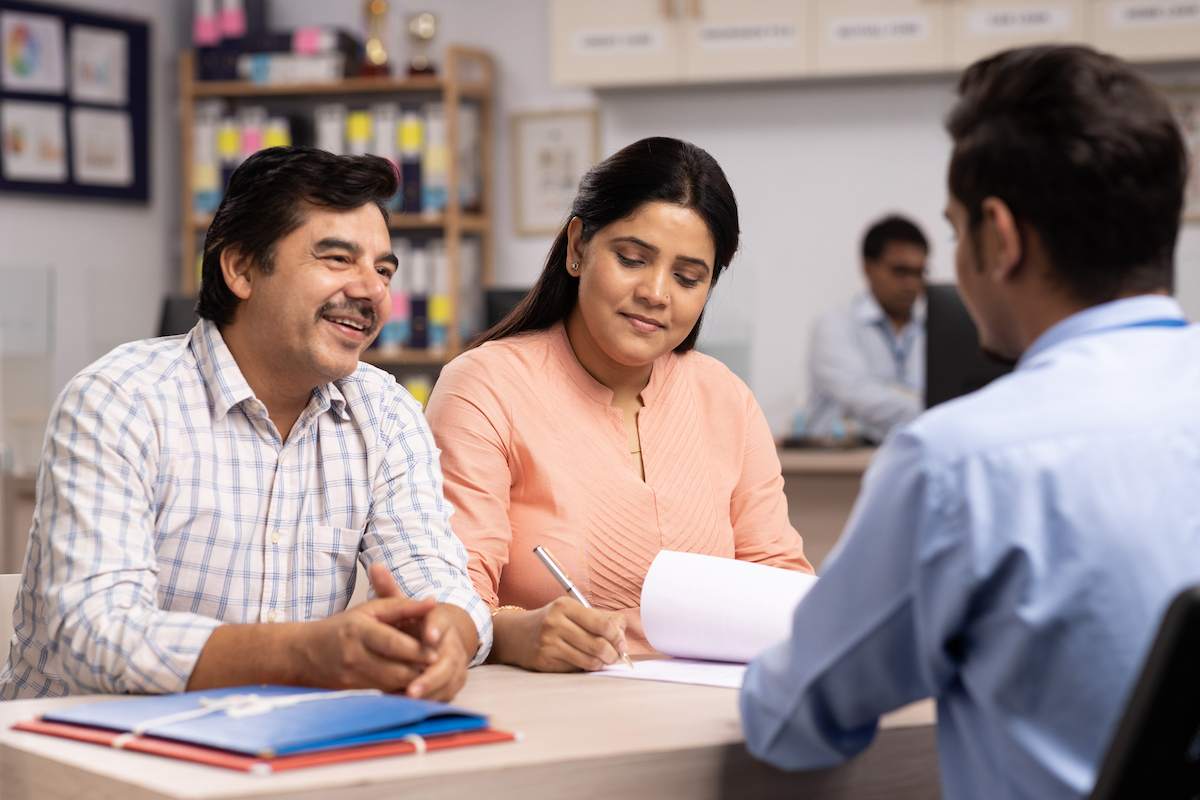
x,y
406,358
471,223
347,86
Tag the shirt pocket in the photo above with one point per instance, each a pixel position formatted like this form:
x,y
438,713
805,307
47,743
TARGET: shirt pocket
x,y
327,558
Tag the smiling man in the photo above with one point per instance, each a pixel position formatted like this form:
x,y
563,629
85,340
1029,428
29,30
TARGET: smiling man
x,y
204,499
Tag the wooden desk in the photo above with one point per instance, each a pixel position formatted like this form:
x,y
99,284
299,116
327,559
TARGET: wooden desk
x,y
583,737
821,487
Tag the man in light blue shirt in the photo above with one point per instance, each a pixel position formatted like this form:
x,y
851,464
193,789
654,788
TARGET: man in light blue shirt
x,y
1012,551
867,360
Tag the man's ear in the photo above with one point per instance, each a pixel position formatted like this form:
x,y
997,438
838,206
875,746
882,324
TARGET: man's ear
x,y
237,270
1003,249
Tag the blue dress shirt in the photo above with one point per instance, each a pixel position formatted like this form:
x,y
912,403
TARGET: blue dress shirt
x,y
864,376
1011,554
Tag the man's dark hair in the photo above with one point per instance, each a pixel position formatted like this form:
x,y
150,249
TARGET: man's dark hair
x,y
1084,151
892,228
268,197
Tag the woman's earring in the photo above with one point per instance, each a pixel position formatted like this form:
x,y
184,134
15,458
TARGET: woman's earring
x,y
575,267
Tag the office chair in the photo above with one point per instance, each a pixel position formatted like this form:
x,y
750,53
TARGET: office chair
x,y
1155,751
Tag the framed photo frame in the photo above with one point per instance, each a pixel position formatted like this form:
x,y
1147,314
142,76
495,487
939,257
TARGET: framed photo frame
x,y
1186,102
551,151
74,102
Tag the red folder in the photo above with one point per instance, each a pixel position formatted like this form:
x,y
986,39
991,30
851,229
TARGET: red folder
x,y
223,758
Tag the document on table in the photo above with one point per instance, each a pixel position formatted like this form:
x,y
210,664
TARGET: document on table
x,y
680,670
712,615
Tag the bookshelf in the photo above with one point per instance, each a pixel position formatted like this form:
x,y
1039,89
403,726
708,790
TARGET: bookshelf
x,y
467,76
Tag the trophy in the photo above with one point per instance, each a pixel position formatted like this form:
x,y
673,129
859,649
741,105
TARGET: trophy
x,y
421,30
376,63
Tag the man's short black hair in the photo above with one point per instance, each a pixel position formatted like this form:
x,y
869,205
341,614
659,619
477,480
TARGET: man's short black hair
x,y
892,228
268,197
1083,150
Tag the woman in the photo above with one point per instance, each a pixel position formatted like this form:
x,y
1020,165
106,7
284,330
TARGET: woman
x,y
586,422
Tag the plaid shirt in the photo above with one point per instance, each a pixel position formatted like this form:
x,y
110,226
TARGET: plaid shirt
x,y
167,505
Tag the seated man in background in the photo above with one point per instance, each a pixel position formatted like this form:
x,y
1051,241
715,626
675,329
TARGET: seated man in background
x,y
1012,551
203,499
867,360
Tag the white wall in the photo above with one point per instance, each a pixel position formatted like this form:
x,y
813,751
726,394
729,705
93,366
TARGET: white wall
x,y
111,260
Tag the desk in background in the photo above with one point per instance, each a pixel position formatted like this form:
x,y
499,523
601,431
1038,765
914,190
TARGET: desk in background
x,y
821,487
583,737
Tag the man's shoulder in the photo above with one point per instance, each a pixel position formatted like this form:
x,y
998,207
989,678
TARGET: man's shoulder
x,y
144,366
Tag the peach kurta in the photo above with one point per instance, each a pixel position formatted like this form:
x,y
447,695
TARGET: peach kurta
x,y
534,453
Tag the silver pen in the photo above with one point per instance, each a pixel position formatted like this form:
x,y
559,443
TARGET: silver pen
x,y
544,556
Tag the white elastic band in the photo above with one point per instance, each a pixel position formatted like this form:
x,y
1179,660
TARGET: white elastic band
x,y
418,743
123,739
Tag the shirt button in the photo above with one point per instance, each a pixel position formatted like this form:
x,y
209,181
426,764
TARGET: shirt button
x,y
274,616
275,537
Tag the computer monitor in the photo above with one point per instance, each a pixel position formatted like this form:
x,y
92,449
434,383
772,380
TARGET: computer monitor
x,y
954,363
178,315
499,302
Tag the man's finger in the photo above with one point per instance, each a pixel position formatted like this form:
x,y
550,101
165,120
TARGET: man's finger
x,y
400,611
382,582
386,642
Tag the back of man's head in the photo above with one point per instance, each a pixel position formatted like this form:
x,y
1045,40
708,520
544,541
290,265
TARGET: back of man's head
x,y
1083,150
267,198
892,228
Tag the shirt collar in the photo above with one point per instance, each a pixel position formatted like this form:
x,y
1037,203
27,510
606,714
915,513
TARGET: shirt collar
x,y
591,387
227,386
1113,314
868,311
223,379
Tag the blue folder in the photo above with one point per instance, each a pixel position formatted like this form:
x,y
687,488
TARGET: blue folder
x,y
267,721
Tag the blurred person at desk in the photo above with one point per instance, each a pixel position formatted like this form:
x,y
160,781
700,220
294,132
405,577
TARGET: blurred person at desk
x,y
587,422
203,499
1013,550
867,360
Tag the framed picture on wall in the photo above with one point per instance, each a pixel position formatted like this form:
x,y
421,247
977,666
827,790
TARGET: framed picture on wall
x,y
74,102
551,150
1186,101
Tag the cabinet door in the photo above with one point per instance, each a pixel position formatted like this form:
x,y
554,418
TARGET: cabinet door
x,y
881,36
1146,30
983,27
747,39
615,42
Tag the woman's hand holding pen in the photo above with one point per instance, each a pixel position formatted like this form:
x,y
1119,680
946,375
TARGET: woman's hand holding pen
x,y
562,636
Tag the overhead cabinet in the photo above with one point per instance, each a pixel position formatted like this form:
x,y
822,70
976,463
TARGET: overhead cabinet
x,y
632,42
857,37
1146,30
661,42
981,27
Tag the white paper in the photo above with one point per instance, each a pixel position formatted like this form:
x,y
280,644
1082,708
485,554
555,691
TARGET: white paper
x,y
876,30
33,53
34,141
1007,21
103,152
680,670
99,65
718,609
712,615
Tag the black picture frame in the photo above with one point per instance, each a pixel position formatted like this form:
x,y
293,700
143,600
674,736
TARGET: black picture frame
x,y
136,105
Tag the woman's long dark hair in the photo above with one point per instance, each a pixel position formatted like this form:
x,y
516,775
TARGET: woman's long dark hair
x,y
654,169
